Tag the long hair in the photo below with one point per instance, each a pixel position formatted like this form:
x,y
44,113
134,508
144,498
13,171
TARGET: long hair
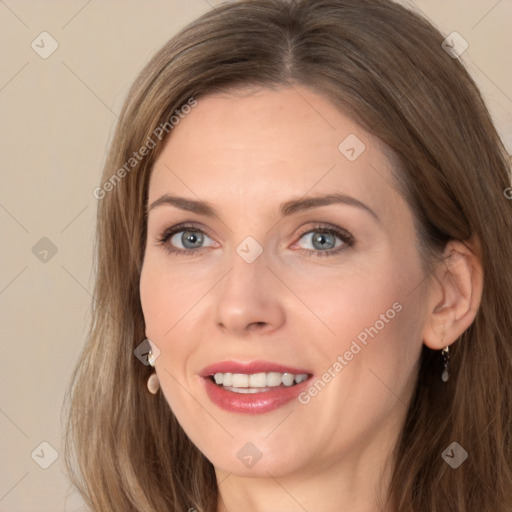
x,y
385,67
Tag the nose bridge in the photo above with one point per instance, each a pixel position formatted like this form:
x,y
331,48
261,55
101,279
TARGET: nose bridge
x,y
248,296
247,274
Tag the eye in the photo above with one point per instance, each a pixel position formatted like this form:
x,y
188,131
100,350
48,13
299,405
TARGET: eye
x,y
188,236
326,240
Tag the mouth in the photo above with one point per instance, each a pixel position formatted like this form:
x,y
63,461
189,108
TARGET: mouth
x,y
254,387
257,382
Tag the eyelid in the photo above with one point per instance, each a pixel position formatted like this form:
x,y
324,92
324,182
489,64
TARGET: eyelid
x,y
182,226
345,236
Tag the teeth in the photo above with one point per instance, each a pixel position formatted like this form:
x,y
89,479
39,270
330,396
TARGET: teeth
x,y
239,381
258,380
288,379
274,379
245,390
300,378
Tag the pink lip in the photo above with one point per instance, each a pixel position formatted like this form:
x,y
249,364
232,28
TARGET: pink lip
x,y
251,403
249,367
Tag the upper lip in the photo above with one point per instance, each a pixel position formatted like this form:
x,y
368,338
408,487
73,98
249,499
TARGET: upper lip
x,y
249,367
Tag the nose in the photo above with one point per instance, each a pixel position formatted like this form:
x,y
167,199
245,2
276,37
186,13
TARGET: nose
x,y
250,299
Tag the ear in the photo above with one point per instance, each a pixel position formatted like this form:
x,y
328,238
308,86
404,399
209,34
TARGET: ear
x,y
454,295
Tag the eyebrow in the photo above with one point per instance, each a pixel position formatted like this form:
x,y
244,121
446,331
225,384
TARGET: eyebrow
x,y
287,208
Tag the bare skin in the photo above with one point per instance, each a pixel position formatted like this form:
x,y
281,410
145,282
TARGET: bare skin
x,y
245,154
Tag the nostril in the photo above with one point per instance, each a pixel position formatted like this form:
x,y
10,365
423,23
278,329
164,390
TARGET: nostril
x,y
255,325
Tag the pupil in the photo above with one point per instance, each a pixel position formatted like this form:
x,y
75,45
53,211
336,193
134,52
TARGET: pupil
x,y
321,239
192,238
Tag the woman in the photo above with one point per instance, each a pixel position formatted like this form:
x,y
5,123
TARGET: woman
x,y
304,216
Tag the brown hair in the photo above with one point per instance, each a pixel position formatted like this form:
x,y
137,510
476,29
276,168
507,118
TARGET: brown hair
x,y
383,65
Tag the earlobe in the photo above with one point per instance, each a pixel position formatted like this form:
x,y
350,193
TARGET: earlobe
x,y
455,295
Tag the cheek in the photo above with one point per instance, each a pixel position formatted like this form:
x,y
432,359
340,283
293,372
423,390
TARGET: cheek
x,y
369,364
153,300
166,297
373,320
165,300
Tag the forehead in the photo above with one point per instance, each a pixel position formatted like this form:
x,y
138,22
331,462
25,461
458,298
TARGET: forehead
x,y
252,145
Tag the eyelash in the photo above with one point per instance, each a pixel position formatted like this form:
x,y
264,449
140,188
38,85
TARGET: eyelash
x,y
344,236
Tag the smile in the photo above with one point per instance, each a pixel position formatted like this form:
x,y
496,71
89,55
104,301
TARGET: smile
x,y
257,382
253,387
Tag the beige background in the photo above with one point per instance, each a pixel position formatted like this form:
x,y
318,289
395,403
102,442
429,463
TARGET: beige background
x,y
57,117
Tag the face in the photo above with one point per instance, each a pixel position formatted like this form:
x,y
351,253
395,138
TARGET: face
x,y
315,308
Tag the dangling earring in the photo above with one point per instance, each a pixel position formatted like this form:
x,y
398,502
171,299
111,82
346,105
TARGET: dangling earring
x,y
153,382
446,359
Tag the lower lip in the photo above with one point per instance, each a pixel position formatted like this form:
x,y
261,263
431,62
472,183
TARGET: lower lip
x,y
253,403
